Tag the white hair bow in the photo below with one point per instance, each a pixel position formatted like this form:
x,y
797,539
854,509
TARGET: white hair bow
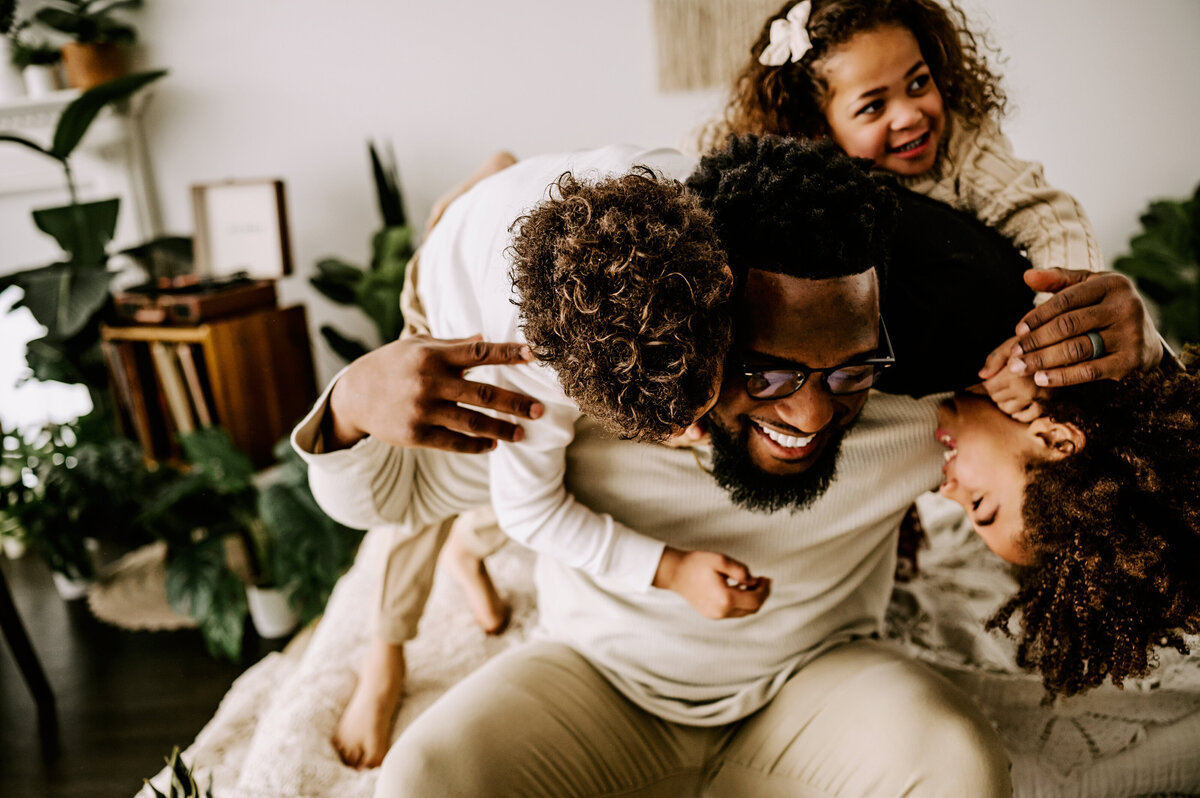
x,y
789,37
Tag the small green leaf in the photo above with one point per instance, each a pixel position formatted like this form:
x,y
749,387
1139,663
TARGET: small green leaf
x,y
77,117
83,231
349,349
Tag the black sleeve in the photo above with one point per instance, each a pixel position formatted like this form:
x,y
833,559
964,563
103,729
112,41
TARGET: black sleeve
x,y
952,293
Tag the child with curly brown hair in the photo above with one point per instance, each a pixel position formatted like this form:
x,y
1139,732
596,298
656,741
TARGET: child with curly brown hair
x,y
904,83
1098,499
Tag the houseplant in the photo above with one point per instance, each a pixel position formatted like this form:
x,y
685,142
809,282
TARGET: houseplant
x,y
12,85
292,550
66,486
69,296
96,52
376,289
38,62
1164,259
181,783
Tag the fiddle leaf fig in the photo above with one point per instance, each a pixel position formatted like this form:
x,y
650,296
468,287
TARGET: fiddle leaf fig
x,y
77,117
83,231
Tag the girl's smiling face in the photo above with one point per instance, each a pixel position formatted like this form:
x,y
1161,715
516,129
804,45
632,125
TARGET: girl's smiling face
x,y
985,470
881,102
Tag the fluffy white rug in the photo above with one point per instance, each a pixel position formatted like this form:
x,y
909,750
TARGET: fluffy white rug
x,y
270,736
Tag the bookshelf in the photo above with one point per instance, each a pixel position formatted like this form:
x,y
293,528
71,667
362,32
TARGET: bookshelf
x,y
252,374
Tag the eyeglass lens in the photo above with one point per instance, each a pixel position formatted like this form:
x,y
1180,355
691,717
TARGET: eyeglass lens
x,y
777,384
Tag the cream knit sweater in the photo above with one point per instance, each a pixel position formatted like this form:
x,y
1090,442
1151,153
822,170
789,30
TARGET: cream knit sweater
x,y
978,173
831,564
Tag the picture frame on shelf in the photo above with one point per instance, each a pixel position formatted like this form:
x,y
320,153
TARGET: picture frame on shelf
x,y
241,226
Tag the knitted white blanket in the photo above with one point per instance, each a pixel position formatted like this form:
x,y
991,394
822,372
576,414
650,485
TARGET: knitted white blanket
x,y
270,735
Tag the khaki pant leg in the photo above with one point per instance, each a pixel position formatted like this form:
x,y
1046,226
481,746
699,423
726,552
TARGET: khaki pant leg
x,y
407,580
477,531
865,720
540,722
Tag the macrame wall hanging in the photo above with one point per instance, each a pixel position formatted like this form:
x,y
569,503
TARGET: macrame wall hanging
x,y
703,43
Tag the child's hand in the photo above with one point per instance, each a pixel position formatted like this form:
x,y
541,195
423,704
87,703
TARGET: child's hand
x,y
715,585
1014,393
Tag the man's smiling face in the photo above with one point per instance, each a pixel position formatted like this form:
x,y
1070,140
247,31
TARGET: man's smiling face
x,y
788,446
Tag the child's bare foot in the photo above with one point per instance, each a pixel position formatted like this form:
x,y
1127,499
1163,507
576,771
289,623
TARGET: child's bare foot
x,y
364,732
490,611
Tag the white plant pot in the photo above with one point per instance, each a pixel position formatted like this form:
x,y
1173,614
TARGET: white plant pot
x,y
270,612
12,85
70,589
41,80
14,548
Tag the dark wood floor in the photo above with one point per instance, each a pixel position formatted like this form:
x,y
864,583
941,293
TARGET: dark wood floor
x,y
124,698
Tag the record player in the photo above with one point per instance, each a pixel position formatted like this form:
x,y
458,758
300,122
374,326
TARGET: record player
x,y
241,248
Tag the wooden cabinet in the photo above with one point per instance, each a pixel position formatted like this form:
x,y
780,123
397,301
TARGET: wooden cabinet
x,y
252,374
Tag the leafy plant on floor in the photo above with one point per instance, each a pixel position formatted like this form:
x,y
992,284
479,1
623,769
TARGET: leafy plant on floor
x,y
68,297
66,484
308,551
376,289
183,783
289,542
1164,259
194,515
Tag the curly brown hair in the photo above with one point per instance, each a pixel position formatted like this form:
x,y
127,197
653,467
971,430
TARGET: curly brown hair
x,y
623,290
789,100
1114,534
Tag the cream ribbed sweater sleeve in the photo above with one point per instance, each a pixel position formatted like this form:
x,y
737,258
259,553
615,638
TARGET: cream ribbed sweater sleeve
x,y
372,484
980,174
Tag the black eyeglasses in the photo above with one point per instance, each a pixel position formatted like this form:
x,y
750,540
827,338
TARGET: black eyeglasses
x,y
857,375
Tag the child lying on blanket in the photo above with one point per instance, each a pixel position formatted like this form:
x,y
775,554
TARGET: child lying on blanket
x,y
1097,497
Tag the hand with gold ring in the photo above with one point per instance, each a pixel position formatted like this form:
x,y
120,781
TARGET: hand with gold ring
x,y
1095,327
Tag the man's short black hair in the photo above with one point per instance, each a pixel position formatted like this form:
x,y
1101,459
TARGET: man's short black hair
x,y
800,208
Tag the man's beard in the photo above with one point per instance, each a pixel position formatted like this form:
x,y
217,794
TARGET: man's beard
x,y
754,489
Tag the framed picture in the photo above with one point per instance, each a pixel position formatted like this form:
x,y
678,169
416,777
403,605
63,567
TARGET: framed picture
x,y
241,226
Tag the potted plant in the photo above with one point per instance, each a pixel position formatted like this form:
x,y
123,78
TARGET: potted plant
x,y
96,53
64,491
376,289
68,297
1164,259
38,62
180,781
12,85
235,549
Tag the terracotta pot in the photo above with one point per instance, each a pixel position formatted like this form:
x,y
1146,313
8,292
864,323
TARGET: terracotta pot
x,y
89,65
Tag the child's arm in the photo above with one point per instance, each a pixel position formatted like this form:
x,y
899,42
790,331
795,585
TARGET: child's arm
x,y
534,508
1012,196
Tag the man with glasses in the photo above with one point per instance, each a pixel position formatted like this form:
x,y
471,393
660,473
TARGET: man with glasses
x,y
637,695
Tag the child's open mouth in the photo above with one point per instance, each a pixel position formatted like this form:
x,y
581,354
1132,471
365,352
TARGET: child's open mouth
x,y
913,146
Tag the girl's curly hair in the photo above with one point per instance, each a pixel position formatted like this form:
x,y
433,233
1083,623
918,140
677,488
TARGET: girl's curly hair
x,y
1114,532
623,290
789,100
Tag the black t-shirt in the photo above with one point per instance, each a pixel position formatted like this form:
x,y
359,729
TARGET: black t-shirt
x,y
950,295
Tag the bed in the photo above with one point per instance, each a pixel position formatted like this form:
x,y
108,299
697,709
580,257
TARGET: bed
x,y
270,735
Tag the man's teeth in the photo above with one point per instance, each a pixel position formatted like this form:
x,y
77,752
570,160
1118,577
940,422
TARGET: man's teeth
x,y
787,441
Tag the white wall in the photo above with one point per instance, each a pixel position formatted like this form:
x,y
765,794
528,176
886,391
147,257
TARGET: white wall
x,y
1105,94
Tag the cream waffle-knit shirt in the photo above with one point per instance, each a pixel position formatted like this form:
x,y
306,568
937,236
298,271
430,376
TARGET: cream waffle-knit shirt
x,y
831,564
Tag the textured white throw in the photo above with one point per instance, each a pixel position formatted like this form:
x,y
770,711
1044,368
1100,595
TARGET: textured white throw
x,y
270,736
